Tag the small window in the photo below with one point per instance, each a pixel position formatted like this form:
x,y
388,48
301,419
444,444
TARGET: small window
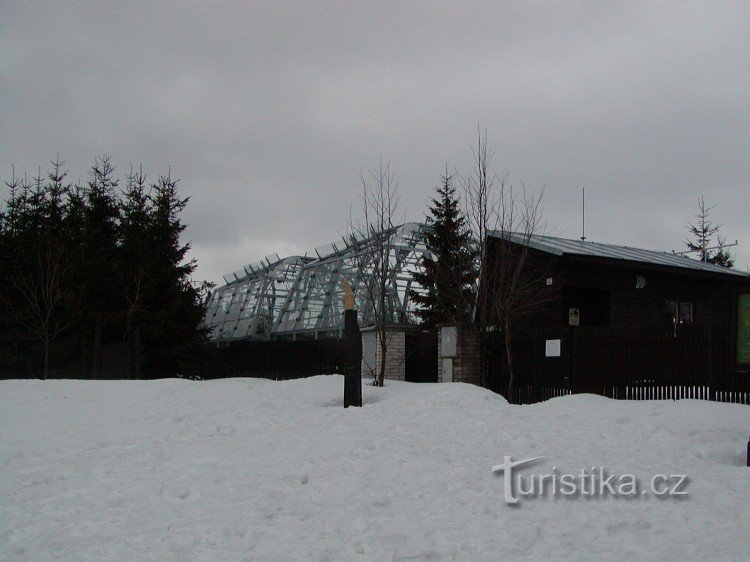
x,y
679,313
685,312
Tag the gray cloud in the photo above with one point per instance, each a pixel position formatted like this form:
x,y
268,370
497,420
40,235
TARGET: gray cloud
x,y
268,111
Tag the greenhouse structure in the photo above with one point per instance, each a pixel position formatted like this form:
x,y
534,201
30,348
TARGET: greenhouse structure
x,y
301,297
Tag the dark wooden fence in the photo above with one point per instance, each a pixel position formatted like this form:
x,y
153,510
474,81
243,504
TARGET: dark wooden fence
x,y
292,359
280,360
618,363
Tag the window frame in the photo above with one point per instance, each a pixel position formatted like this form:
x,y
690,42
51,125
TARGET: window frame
x,y
674,319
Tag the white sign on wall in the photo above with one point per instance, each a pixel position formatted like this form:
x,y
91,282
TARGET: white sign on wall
x,y
449,341
552,348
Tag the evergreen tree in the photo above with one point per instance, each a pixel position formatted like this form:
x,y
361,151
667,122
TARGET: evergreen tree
x,y
40,302
703,232
101,215
84,267
135,263
8,219
721,256
175,305
449,273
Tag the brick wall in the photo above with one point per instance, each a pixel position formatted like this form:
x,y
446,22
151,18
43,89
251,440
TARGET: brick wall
x,y
466,364
395,359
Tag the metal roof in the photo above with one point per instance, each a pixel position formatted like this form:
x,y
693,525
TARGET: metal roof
x,y
564,246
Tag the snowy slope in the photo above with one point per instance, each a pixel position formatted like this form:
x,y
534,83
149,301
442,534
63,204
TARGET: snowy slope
x,y
256,469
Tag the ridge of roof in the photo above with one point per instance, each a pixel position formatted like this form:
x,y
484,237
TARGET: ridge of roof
x,y
565,246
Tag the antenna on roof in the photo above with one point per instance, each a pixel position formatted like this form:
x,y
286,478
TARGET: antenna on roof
x,y
583,218
719,247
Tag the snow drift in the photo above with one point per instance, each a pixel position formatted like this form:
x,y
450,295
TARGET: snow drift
x,y
257,469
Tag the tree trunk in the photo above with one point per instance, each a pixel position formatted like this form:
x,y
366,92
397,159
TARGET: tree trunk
x,y
46,358
380,380
137,354
509,358
96,367
383,317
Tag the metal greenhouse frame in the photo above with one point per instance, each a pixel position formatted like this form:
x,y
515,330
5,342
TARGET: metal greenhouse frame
x,y
301,296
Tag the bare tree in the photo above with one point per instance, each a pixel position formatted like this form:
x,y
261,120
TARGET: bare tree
x,y
479,187
375,236
516,284
503,222
46,304
40,300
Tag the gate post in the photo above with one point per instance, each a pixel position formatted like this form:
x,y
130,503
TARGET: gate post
x,y
459,349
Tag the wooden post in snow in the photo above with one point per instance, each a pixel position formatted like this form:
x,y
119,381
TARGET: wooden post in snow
x,y
351,350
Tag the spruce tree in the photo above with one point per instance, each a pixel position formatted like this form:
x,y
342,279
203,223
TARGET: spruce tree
x,y
101,214
175,305
8,301
703,232
135,262
722,256
449,273
39,301
88,266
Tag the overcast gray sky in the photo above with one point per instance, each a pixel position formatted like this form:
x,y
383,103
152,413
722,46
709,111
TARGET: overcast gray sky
x,y
267,111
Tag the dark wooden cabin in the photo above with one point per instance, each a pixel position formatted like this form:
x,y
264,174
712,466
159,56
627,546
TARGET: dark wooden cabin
x,y
629,323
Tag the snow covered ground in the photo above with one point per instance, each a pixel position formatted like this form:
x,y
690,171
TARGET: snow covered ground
x,y
264,470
